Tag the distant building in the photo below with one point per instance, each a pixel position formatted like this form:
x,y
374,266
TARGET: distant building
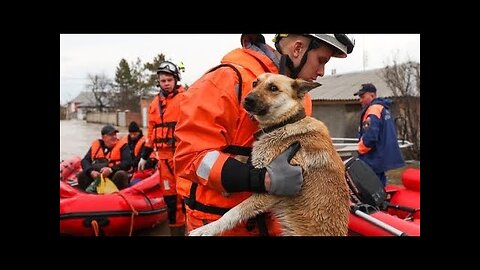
x,y
336,106
63,112
83,103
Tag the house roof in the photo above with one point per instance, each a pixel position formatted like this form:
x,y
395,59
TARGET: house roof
x,y
342,86
85,99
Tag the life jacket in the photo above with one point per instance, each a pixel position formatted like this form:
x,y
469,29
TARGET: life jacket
x,y
113,155
139,146
163,115
224,130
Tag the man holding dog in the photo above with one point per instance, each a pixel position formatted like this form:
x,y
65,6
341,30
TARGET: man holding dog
x,y
216,134
378,145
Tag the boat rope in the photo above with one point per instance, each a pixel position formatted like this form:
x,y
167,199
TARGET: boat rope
x,y
134,212
95,227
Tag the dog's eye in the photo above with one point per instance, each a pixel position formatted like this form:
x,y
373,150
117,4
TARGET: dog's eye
x,y
273,88
254,83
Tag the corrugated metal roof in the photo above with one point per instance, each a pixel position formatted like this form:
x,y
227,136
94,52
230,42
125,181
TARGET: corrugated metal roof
x,y
342,86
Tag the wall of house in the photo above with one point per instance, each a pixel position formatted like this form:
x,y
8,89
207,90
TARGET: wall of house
x,y
63,112
341,119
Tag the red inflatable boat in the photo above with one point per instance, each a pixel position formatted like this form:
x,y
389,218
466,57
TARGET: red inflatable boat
x,y
118,214
399,216
395,213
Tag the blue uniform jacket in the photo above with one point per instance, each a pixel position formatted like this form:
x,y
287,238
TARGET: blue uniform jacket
x,y
381,136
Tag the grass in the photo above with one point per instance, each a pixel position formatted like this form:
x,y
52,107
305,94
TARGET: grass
x,y
395,176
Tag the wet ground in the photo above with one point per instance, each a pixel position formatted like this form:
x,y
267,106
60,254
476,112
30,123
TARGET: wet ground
x,y
395,176
160,230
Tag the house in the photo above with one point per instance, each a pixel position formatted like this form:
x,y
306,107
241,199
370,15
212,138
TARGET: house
x,y
80,105
63,112
335,105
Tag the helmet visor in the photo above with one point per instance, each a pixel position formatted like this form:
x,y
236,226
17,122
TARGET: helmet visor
x,y
167,67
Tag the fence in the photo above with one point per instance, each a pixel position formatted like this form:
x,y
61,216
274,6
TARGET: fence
x,y
119,118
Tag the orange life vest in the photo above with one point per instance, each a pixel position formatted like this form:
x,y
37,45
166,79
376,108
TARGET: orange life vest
x,y
114,156
162,119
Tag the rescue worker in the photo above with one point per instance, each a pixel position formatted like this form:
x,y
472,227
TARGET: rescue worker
x,y
378,145
107,156
135,134
150,166
162,119
216,134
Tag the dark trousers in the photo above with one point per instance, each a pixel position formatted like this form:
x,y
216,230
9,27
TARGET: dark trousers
x,y
383,178
120,178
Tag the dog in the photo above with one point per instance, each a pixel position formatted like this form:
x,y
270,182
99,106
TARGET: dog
x,y
321,208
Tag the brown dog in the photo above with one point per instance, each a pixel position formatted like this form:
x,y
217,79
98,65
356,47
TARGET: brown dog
x,y
322,206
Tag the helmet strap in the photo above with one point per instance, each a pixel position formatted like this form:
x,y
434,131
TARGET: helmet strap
x,y
285,60
173,93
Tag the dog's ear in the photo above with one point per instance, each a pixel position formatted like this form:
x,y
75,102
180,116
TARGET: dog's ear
x,y
302,86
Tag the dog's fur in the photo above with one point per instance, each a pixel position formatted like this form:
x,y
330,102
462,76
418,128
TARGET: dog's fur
x,y
322,206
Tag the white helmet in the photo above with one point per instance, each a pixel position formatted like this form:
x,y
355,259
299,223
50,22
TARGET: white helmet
x,y
341,42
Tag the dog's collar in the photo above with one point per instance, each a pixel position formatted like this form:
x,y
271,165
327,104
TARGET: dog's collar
x,y
297,117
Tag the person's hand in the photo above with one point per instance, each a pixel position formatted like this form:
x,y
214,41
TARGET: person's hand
x,y
282,178
141,164
106,171
94,174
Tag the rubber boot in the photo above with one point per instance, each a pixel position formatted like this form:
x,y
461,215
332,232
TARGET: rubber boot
x,y
177,231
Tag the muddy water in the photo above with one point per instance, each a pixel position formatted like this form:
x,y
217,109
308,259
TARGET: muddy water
x,y
77,135
75,139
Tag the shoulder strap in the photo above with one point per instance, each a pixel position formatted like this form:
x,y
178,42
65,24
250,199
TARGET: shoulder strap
x,y
238,75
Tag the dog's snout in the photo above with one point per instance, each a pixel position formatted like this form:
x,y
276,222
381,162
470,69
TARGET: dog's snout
x,y
249,103
249,100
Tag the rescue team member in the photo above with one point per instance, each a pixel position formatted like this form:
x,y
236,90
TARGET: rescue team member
x,y
162,119
378,145
134,139
215,133
150,166
108,156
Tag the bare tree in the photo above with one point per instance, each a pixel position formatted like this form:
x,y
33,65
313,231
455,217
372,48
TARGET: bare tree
x,y
404,80
101,87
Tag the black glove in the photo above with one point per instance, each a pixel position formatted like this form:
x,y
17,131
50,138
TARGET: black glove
x,y
146,151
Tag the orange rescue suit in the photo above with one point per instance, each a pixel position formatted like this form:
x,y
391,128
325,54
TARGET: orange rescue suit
x,y
162,119
212,122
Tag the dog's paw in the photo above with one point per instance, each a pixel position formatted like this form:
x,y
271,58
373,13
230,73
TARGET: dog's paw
x,y
207,230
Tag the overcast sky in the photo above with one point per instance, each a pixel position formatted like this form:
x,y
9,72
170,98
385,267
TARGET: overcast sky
x,y
82,54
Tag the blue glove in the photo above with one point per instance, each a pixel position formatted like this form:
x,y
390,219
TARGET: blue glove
x,y
286,179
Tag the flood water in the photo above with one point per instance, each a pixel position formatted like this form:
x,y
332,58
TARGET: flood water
x,y
77,135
